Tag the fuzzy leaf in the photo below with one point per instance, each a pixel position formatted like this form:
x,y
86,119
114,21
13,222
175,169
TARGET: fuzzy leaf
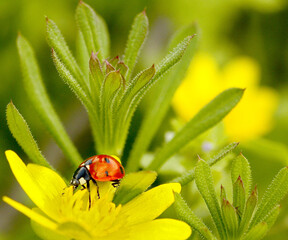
x,y
272,217
164,66
222,193
135,42
222,153
132,185
82,54
21,132
241,167
248,211
94,30
230,218
38,96
134,87
205,185
109,89
239,196
72,82
122,67
128,103
185,214
187,177
59,45
257,232
171,59
206,118
275,192
96,77
162,102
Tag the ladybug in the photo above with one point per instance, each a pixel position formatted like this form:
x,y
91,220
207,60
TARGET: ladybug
x,y
101,168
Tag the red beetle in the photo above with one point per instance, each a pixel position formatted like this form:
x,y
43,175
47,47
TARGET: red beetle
x,y
101,168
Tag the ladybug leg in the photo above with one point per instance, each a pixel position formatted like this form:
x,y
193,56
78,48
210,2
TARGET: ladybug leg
x,y
116,183
98,194
88,188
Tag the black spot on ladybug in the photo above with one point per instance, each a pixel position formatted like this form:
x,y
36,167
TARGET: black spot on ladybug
x,y
121,169
107,174
107,160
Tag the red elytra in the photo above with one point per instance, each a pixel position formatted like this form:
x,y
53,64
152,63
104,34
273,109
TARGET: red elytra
x,y
104,168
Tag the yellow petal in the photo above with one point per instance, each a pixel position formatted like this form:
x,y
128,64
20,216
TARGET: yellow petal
x,y
161,229
45,222
41,184
25,179
149,205
47,179
243,123
193,93
242,72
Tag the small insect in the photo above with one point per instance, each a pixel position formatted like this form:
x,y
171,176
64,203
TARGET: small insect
x,y
101,168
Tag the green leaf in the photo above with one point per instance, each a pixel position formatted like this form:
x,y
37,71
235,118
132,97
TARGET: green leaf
x,y
187,215
257,232
230,218
94,30
164,66
222,193
96,78
187,177
222,153
205,185
38,96
248,211
127,104
21,132
82,55
135,42
109,88
59,46
275,192
239,198
154,117
72,82
208,116
272,217
241,167
171,59
137,84
122,67
132,185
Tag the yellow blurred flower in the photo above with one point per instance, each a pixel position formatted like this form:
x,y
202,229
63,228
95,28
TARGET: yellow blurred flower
x,y
68,216
251,118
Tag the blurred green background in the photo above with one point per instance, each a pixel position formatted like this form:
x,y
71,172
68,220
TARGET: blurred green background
x,y
255,28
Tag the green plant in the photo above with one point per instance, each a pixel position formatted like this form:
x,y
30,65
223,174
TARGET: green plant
x,y
110,91
243,218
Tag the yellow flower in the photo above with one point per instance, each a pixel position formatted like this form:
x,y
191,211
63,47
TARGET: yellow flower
x,y
251,118
67,215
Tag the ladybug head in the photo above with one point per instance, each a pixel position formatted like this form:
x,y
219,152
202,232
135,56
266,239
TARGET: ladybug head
x,y
80,177
74,182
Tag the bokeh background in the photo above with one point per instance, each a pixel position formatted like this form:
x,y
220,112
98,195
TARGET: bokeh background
x,y
242,43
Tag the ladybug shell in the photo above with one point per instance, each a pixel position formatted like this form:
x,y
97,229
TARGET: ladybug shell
x,y
104,168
